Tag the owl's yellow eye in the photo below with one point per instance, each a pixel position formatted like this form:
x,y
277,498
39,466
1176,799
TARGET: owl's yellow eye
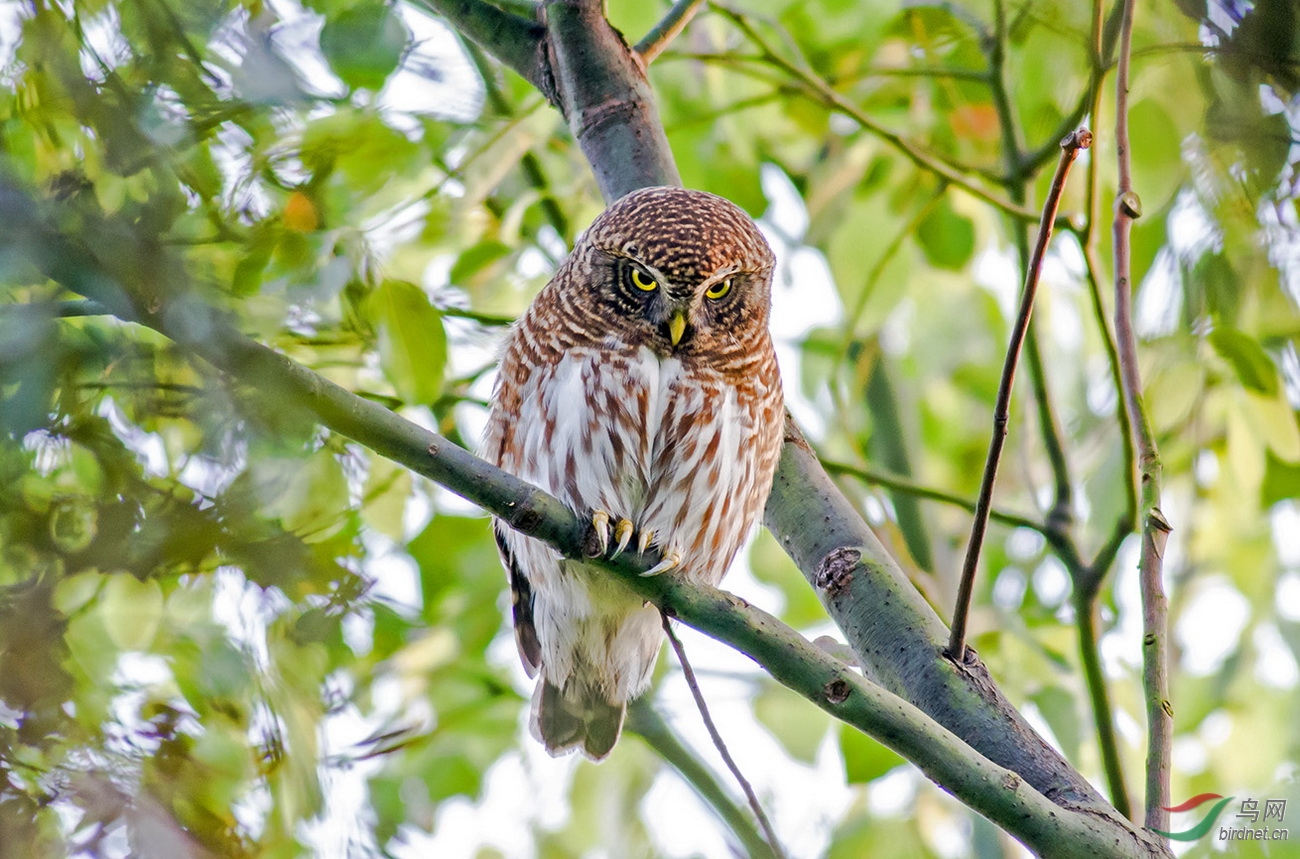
x,y
718,290
643,281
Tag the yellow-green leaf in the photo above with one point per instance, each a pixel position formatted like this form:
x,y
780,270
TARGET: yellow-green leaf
x,y
412,342
131,610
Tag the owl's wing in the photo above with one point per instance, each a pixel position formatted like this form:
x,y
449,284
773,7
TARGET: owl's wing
x,y
521,600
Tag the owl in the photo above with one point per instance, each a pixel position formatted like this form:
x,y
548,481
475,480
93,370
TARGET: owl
x,y
641,389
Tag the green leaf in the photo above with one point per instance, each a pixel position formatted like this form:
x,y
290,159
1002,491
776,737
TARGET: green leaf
x,y
1281,481
1060,710
1252,364
132,610
1214,286
388,485
1276,423
946,238
475,259
452,775
797,726
412,342
1155,145
364,43
368,154
865,759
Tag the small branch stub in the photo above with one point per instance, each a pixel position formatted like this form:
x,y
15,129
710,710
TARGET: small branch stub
x,y
836,691
1078,139
835,572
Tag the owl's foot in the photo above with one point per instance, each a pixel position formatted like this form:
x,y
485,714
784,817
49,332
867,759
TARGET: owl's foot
x,y
671,561
600,527
623,534
623,530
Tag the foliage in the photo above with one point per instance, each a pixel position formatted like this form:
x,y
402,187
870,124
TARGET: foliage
x,y
213,613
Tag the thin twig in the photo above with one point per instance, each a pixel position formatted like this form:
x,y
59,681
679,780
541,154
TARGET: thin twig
x,y
1155,529
1018,178
717,737
645,721
490,320
1070,148
663,33
898,483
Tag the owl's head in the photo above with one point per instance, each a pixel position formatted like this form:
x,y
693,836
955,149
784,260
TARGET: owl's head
x,y
681,271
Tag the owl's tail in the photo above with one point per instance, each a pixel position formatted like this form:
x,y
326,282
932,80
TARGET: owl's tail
x,y
577,717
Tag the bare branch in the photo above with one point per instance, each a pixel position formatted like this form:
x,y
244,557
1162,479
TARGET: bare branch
x,y
1086,615
667,29
604,95
644,720
1070,148
822,91
905,485
718,742
1155,529
513,39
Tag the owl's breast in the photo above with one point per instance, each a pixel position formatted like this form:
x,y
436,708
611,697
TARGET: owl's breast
x,y
584,428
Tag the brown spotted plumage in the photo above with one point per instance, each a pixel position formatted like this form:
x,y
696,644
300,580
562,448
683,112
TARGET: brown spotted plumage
x,y
641,389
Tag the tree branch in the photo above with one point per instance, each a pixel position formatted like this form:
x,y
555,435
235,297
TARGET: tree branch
x,y
1070,148
644,720
1085,609
668,29
513,39
607,100
1155,529
693,684
898,483
1087,580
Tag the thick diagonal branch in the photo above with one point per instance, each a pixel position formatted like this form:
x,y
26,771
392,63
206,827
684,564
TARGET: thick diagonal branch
x,y
514,40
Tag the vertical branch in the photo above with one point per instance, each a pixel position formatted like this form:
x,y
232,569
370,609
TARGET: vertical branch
x,y
1155,530
607,100
1085,610
1070,148
1019,172
1087,582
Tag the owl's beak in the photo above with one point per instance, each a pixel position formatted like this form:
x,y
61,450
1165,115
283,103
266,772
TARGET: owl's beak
x,y
677,326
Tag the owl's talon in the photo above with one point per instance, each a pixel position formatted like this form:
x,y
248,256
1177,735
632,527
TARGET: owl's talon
x,y
600,524
623,535
643,542
671,561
